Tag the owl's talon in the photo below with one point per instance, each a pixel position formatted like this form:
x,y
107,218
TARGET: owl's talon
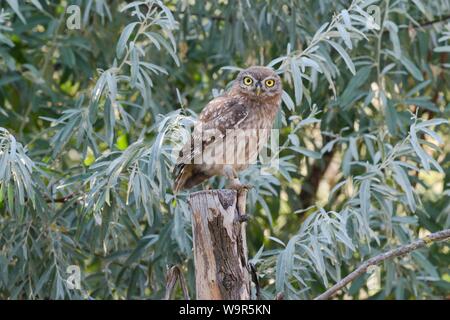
x,y
236,185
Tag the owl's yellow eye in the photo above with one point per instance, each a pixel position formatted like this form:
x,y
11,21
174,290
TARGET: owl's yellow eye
x,y
248,81
270,83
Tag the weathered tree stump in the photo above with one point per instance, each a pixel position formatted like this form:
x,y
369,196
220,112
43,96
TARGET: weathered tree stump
x,y
220,246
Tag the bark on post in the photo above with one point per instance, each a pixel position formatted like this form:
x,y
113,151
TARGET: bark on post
x,y
220,247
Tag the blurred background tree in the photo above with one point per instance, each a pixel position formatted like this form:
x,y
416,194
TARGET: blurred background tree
x,y
89,118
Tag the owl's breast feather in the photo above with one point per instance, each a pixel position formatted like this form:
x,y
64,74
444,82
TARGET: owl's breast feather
x,y
261,115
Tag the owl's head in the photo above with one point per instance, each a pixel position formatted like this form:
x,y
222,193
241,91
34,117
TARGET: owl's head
x,y
258,83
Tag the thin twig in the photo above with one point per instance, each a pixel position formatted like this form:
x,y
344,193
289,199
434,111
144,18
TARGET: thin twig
x,y
398,252
255,280
429,23
173,275
62,199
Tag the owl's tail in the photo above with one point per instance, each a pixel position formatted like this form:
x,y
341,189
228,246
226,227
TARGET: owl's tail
x,y
187,176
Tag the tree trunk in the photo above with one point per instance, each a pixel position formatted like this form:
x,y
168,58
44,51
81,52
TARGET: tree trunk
x,y
220,247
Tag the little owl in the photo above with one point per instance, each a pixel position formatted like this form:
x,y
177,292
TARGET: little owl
x,y
231,131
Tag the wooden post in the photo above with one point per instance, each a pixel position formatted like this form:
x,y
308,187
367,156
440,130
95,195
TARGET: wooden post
x,y
220,246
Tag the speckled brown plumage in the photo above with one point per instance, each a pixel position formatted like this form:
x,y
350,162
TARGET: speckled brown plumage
x,y
251,104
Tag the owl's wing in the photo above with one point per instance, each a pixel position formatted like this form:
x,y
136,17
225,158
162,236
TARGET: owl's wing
x,y
219,115
217,106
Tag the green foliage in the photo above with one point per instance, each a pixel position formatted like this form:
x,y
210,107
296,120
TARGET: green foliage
x,y
90,119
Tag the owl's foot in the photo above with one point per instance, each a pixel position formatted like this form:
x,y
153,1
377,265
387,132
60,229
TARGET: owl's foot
x,y
238,186
235,184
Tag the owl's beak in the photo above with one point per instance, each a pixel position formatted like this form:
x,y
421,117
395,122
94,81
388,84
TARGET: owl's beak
x,y
258,89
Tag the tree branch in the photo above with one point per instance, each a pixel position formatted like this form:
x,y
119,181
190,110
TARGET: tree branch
x,y
398,252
